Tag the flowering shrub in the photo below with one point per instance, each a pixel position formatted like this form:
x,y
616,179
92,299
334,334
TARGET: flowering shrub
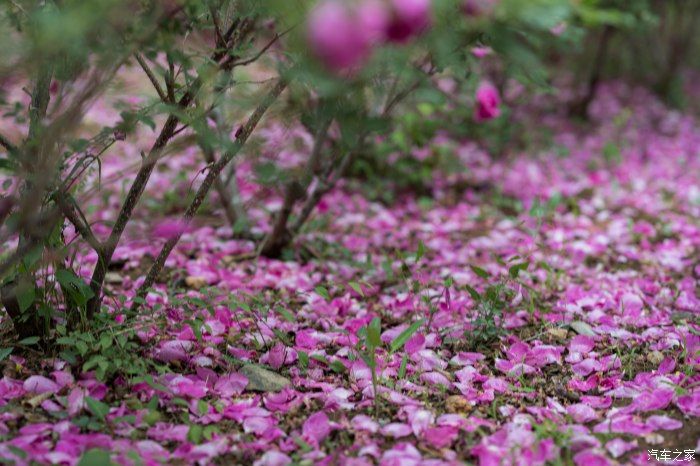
x,y
262,232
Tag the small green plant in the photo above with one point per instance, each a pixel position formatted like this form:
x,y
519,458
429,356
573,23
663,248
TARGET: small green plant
x,y
371,341
493,302
370,348
109,349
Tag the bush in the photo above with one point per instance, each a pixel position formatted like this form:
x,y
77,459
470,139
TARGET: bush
x,y
341,68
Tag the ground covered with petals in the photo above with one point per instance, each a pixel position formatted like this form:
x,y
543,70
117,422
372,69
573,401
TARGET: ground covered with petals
x,y
540,307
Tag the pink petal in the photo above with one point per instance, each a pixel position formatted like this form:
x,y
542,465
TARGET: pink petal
x,y
317,427
40,384
230,384
440,437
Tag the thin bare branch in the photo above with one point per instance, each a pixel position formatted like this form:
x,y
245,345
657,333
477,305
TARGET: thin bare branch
x,y
214,172
318,191
170,80
220,41
232,64
78,221
221,189
313,165
151,77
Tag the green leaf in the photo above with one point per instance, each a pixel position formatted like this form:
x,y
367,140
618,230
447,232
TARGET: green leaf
x,y
337,367
514,271
402,367
388,270
74,286
323,292
17,452
320,358
209,431
288,316
29,341
303,359
421,250
32,257
358,289
25,297
369,360
404,336
373,332
151,417
106,341
480,272
196,326
202,407
302,444
546,266
5,352
95,457
195,434
180,402
7,165
611,153
97,407
474,294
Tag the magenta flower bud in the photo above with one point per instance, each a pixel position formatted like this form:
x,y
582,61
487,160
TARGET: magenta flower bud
x,y
487,102
408,18
373,18
478,7
481,51
559,29
336,38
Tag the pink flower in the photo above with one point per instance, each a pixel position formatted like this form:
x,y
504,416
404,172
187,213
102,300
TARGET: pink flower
x,y
304,339
282,401
581,413
336,38
276,357
373,19
174,350
435,378
440,437
316,428
663,422
364,423
187,387
40,384
618,447
76,401
632,304
690,404
258,424
590,458
478,7
481,51
408,18
585,367
581,344
487,102
273,458
230,384
169,229
415,343
396,430
559,29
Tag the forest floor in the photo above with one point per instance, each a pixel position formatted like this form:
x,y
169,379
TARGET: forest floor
x,y
539,308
